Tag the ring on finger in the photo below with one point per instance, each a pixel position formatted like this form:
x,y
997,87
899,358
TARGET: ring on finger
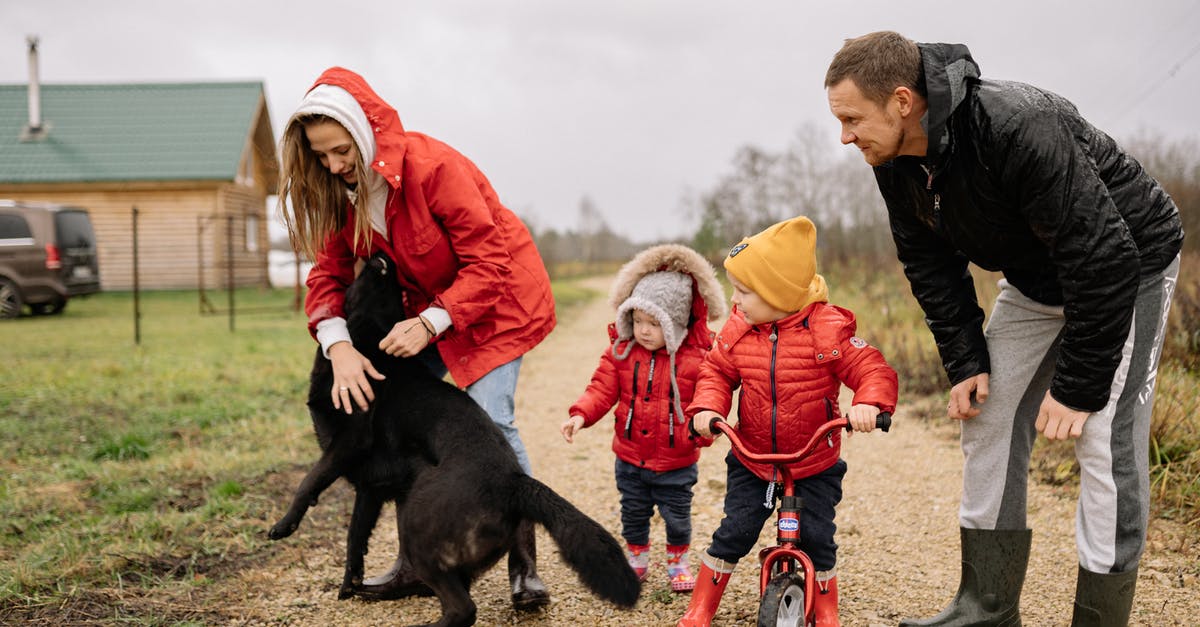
x,y
343,389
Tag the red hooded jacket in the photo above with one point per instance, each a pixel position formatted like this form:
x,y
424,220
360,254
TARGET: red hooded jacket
x,y
647,433
791,372
455,245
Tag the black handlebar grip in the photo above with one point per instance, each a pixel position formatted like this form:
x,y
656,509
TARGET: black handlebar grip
x,y
712,425
883,421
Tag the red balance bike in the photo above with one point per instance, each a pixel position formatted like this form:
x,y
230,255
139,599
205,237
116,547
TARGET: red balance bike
x,y
788,580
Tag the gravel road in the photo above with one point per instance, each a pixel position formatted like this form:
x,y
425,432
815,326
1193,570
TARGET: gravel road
x,y
898,531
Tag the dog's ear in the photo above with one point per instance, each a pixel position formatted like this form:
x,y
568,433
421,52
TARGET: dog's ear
x,y
380,263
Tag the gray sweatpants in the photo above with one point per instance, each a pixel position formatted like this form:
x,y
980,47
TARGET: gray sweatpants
x,y
1023,340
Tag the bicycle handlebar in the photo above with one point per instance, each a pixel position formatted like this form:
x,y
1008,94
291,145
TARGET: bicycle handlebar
x,y
883,422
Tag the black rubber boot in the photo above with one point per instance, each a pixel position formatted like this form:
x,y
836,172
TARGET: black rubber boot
x,y
397,583
989,592
528,591
1103,600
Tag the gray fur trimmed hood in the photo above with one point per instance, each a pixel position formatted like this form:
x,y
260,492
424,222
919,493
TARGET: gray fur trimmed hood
x,y
675,258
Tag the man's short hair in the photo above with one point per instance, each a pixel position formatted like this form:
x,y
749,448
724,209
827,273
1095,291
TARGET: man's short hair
x,y
878,63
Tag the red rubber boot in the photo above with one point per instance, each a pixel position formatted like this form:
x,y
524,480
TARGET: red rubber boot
x,y
825,605
710,585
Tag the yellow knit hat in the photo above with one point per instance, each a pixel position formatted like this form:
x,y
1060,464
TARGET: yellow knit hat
x,y
780,265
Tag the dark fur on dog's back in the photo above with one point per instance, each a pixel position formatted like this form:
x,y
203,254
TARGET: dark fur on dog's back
x,y
458,487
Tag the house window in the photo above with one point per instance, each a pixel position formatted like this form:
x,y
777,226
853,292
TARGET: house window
x,y
246,175
252,233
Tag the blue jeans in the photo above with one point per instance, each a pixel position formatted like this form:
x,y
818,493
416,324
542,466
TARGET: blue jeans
x,y
494,392
642,489
745,513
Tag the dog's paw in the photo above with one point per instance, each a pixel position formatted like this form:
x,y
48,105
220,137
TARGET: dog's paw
x,y
281,530
350,587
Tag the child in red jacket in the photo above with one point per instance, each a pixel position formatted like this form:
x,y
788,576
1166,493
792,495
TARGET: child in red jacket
x,y
790,352
664,298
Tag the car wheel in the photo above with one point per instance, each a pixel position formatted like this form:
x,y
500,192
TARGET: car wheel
x,y
48,309
10,299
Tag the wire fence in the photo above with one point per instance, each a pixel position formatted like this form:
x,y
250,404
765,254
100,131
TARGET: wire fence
x,y
229,252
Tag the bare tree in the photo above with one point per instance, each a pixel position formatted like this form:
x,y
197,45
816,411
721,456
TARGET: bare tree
x,y
809,178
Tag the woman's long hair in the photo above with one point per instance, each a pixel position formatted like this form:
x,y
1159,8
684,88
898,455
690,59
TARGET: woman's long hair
x,y
312,200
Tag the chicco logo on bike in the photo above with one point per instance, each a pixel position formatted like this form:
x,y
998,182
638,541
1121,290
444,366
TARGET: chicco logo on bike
x,y
789,524
737,249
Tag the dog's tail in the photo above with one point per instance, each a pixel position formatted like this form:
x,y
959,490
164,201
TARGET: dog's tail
x,y
589,549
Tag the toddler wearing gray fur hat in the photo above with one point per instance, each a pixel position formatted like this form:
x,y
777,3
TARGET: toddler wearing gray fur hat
x,y
664,298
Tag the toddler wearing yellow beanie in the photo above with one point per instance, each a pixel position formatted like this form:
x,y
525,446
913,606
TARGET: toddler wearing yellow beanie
x,y
780,265
788,354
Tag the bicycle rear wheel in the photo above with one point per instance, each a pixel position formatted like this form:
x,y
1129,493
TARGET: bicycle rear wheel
x,y
782,603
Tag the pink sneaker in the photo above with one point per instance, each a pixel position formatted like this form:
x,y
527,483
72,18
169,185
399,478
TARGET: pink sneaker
x,y
639,559
679,570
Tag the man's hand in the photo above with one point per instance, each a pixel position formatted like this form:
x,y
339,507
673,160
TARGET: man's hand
x,y
1059,422
960,407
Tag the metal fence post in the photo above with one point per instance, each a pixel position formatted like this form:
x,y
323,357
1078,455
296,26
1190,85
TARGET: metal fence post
x,y
137,301
229,261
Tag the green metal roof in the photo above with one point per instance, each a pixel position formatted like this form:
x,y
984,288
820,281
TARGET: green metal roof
x,y
128,132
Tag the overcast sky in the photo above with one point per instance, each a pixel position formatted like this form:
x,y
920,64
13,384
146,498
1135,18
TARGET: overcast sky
x,y
630,102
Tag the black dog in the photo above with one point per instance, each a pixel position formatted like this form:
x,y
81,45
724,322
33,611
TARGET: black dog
x,y
459,491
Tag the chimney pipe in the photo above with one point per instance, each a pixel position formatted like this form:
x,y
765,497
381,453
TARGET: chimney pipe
x,y
35,88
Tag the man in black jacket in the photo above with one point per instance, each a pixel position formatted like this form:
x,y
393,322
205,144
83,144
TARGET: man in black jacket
x,y
1012,178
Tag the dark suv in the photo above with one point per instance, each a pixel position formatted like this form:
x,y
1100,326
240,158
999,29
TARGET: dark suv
x,y
47,255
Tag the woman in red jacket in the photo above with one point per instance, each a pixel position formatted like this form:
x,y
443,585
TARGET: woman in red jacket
x,y
476,291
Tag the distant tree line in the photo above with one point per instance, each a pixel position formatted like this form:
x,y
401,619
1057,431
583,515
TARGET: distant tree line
x,y
834,188
590,248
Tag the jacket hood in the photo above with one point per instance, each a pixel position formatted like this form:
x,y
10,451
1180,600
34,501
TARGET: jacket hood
x,y
949,71
708,297
382,118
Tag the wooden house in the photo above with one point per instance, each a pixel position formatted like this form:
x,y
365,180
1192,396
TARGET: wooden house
x,y
196,160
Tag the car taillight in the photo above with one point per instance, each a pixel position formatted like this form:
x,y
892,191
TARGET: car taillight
x,y
53,259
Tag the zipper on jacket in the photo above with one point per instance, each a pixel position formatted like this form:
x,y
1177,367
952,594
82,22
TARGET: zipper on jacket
x,y
828,417
774,337
649,377
632,402
670,417
937,196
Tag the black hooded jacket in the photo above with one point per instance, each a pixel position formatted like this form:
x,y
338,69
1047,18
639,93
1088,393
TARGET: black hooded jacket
x,y
1016,181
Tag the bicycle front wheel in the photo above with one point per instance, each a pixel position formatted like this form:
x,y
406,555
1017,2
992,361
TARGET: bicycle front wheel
x,y
783,602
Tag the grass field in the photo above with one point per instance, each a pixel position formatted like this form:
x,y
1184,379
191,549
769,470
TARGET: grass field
x,y
130,462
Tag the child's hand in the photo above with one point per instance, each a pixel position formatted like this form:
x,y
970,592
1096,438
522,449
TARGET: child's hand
x,y
702,420
570,427
862,417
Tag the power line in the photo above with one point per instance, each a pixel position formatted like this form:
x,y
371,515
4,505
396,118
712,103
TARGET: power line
x,y
1149,90
1174,69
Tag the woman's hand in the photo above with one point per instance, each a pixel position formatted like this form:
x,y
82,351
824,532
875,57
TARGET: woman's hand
x,y
350,382
570,427
407,337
